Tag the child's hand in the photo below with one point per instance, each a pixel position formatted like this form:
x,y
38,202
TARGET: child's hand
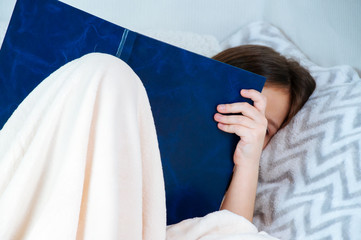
x,y
250,127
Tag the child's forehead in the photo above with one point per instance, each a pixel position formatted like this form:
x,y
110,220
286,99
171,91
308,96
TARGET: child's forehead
x,y
278,104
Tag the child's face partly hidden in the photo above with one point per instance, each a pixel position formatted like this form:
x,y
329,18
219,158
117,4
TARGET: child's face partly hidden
x,y
278,104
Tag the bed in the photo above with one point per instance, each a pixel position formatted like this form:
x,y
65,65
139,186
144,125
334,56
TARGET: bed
x,y
309,186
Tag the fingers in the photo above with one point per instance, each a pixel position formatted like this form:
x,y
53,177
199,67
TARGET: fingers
x,y
240,125
241,131
259,100
235,119
240,107
245,108
250,126
252,118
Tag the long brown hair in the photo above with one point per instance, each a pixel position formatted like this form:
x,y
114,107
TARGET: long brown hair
x,y
279,71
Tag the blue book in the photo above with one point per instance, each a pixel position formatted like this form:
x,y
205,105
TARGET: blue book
x,y
183,89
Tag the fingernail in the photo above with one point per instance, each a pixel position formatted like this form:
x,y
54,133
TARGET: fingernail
x,y
221,106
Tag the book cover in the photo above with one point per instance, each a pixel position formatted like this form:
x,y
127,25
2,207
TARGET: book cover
x,y
183,89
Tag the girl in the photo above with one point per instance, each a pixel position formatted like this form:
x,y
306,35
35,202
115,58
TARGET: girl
x,y
79,157
288,87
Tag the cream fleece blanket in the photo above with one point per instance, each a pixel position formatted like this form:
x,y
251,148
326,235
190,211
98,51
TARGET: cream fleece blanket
x,y
79,159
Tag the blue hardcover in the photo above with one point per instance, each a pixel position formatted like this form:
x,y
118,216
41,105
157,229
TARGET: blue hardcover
x,y
183,89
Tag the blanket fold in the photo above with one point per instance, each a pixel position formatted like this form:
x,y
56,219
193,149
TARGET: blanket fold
x,y
79,159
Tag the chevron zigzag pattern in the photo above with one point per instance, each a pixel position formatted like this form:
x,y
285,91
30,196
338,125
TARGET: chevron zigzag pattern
x,y
310,173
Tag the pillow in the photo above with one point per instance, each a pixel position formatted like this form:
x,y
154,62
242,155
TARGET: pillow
x,y
310,173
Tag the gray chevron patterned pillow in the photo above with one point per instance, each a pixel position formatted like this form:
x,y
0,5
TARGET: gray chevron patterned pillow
x,y
310,176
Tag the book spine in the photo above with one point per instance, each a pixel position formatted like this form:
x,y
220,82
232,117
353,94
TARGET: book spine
x,y
126,45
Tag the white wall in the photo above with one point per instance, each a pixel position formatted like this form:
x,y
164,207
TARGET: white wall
x,y
327,31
